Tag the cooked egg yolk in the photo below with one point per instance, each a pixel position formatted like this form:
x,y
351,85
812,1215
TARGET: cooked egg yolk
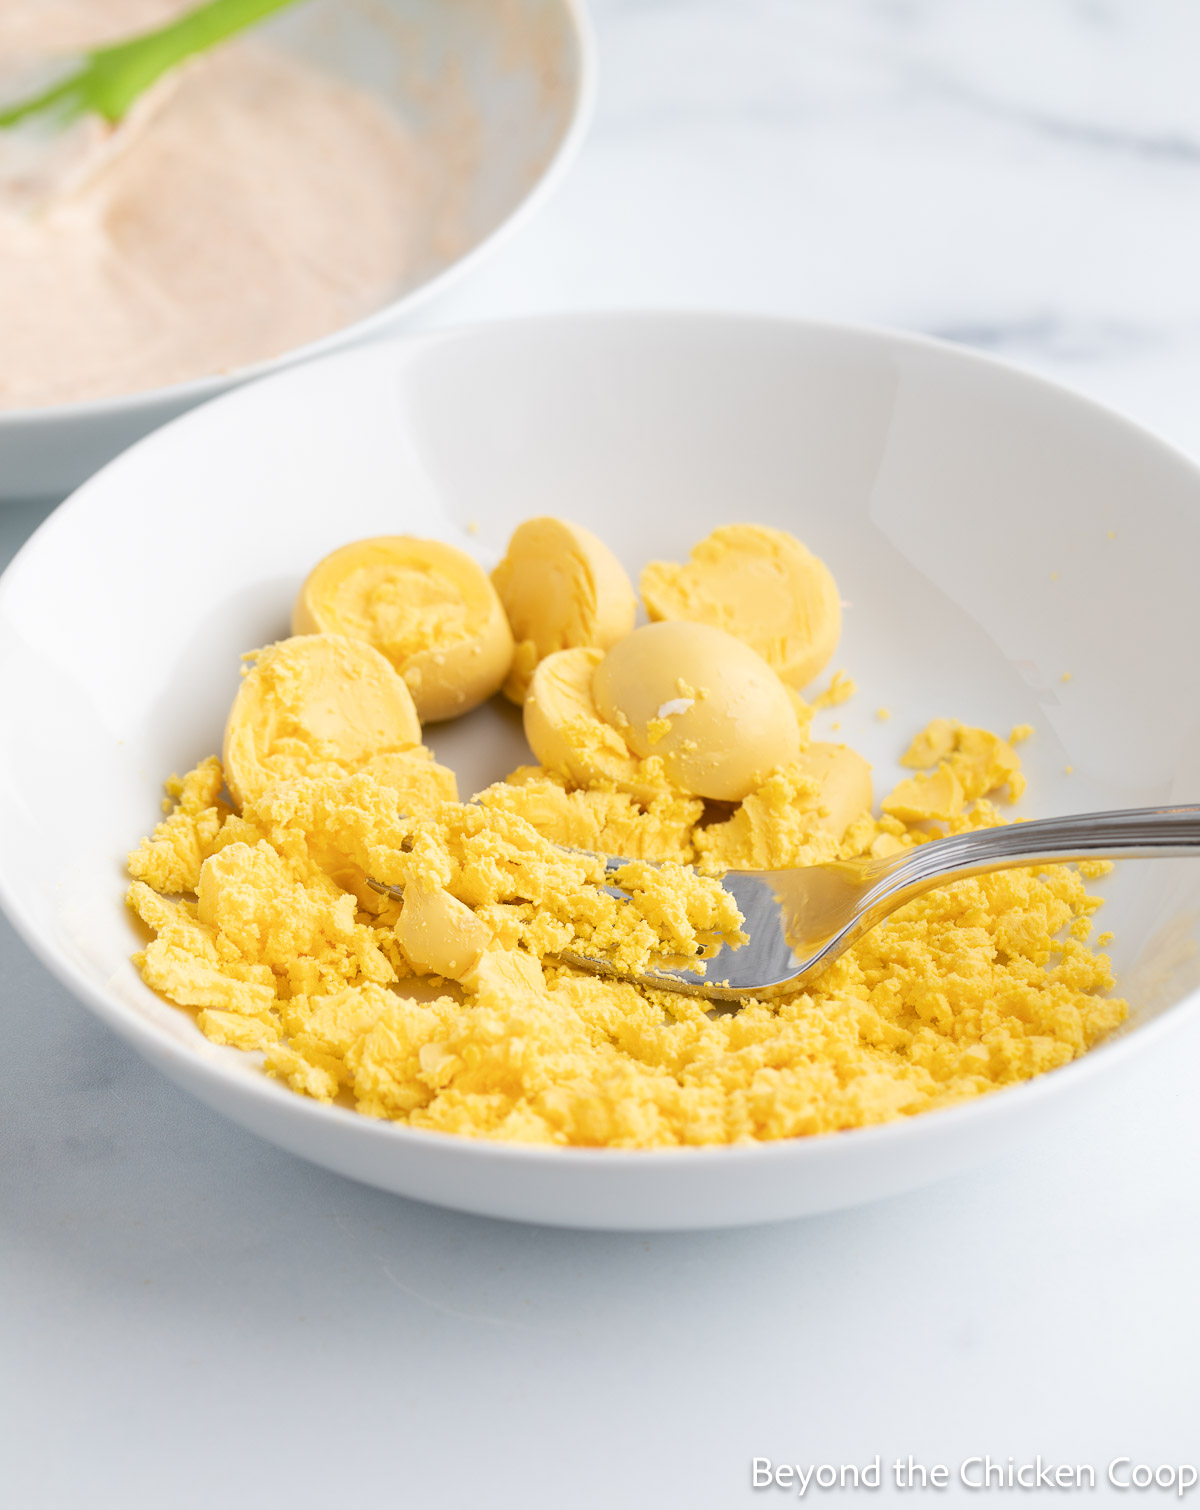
x,y
568,735
317,704
706,704
562,588
439,934
264,922
846,787
426,606
761,585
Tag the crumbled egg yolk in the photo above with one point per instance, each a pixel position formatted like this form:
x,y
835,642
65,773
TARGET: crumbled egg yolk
x,y
260,920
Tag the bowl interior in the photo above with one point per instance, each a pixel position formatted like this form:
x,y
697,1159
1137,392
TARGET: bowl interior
x,y
489,91
1009,554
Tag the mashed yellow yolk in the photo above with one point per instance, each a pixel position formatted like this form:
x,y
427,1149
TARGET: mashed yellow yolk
x,y
810,812
604,820
259,918
761,585
269,921
704,703
562,589
426,606
981,985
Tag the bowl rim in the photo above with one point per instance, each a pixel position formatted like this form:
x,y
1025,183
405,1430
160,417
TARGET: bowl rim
x,y
157,1044
194,391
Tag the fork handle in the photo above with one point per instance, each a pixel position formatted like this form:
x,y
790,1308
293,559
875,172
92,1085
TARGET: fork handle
x,y
1138,833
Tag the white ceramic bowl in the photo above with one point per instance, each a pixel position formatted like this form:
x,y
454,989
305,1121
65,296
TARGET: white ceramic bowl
x,y
499,95
991,533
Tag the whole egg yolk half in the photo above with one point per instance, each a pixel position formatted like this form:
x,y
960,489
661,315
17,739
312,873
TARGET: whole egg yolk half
x,y
426,606
563,589
760,584
707,704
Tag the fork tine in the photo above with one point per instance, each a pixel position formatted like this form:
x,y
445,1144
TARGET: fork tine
x,y
737,971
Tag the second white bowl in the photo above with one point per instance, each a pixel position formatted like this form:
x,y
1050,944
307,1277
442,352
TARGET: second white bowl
x,y
499,96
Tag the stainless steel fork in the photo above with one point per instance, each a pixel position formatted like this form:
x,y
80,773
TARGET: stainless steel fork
x,y
799,921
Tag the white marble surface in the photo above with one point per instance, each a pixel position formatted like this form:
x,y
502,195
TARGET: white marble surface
x,y
190,1318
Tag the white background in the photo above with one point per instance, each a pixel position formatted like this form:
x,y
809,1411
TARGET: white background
x,y
190,1318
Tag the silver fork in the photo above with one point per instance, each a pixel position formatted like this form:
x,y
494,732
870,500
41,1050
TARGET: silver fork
x,y
799,921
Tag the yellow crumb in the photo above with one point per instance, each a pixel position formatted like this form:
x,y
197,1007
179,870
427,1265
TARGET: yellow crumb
x,y
1020,733
883,714
1065,677
840,689
979,760
926,798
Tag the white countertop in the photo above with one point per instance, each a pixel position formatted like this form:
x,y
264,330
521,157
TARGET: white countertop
x,y
191,1318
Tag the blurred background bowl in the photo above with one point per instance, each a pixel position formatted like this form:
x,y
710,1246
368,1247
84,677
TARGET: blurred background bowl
x,y
498,95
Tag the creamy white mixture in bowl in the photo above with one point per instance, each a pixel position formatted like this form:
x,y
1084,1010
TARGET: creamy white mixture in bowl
x,y
294,191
